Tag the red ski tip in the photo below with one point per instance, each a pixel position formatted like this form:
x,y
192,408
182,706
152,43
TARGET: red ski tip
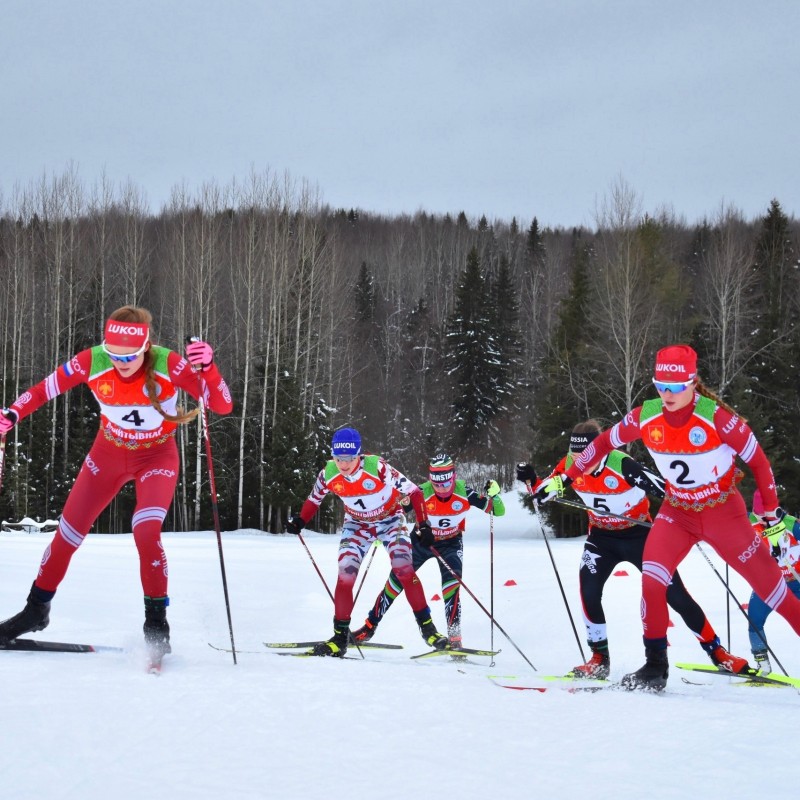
x,y
621,573
510,582
435,598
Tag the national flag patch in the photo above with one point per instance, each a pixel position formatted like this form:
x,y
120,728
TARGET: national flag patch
x,y
68,371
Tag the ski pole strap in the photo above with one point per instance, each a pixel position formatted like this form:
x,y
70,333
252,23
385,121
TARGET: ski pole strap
x,y
582,507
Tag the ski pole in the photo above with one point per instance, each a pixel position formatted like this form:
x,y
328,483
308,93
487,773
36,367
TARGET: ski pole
x,y
491,580
214,506
325,584
366,570
741,608
319,572
480,605
558,577
2,458
582,507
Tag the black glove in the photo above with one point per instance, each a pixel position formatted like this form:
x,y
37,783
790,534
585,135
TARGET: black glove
x,y
776,552
295,524
525,472
425,533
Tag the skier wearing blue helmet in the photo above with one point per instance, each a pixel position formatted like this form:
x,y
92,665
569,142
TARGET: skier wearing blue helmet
x,y
374,494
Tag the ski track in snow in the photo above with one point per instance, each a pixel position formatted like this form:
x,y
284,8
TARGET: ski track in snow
x,y
93,725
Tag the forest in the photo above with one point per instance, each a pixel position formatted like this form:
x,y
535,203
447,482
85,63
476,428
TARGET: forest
x,y
485,338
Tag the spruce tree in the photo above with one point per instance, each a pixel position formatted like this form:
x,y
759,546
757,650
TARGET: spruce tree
x,y
472,356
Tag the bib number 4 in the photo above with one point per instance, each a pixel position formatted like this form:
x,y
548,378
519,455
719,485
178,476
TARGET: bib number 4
x,y
133,418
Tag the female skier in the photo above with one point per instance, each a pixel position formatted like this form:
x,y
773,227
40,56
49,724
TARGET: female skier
x,y
136,384
619,485
693,438
374,494
447,502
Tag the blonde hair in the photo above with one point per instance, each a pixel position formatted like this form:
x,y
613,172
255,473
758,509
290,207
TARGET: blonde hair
x,y
143,316
711,395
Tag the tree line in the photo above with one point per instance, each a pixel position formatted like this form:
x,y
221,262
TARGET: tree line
x,y
488,339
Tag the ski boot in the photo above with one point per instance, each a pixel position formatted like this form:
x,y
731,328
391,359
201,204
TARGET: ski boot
x,y
762,662
34,617
428,630
336,646
156,628
598,666
652,677
364,633
721,658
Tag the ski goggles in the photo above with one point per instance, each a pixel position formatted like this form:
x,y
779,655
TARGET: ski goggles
x,y
346,459
672,388
128,357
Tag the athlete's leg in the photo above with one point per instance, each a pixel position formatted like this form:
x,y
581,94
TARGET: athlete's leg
x,y
452,552
102,475
729,532
156,475
666,546
357,538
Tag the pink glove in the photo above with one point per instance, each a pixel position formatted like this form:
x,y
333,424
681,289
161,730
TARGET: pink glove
x,y
8,419
200,354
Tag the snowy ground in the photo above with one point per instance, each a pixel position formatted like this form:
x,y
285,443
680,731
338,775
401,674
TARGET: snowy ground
x,y
94,726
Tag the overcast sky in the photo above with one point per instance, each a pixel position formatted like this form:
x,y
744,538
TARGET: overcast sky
x,y
498,108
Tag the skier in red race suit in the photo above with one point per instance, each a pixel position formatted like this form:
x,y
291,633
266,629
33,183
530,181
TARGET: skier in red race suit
x,y
694,439
135,383
620,486
373,493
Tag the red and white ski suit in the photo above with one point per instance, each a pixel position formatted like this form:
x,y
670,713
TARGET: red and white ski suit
x,y
134,443
694,449
374,496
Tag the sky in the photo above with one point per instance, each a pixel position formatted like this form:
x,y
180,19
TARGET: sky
x,y
508,109
96,727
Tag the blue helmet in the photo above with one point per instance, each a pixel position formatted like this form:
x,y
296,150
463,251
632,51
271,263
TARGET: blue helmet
x,y
346,442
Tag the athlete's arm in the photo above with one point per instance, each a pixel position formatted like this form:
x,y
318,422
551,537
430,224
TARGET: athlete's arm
x,y
736,433
637,475
216,394
64,378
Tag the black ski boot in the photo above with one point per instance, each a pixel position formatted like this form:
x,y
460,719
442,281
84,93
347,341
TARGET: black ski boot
x,y
652,677
337,645
428,630
34,617
156,627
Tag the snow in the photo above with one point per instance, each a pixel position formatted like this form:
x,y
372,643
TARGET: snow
x,y
96,725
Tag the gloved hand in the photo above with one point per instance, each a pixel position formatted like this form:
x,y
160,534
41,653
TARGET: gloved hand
x,y
200,354
774,527
491,489
295,524
552,488
8,419
425,533
525,472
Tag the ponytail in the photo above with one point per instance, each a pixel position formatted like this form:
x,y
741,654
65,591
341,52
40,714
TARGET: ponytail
x,y
706,392
142,315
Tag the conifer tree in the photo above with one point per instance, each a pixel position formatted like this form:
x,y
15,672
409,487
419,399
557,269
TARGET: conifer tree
x,y
472,355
